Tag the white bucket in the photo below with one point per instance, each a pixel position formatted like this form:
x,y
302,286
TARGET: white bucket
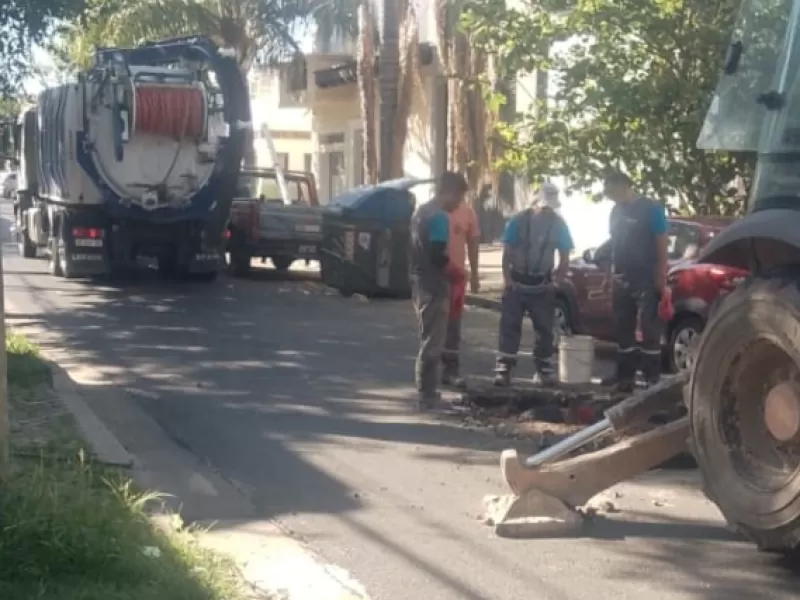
x,y
575,358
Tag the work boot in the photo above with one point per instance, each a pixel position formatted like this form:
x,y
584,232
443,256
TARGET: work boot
x,y
502,371
544,377
651,368
502,374
625,385
433,403
451,378
428,400
545,374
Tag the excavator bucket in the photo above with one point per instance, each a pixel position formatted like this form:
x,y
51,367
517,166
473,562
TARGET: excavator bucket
x,y
548,493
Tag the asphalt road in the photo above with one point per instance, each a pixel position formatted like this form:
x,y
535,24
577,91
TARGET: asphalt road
x,y
301,399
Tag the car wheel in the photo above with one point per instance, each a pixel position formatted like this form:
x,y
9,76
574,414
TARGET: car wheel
x,y
682,345
562,325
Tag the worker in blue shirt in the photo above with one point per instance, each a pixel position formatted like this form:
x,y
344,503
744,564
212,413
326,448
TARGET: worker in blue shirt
x,y
432,273
530,277
637,273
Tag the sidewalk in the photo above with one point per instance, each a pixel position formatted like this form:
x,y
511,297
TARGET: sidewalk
x,y
491,275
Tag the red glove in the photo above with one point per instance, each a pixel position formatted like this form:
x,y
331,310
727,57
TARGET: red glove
x,y
455,273
665,308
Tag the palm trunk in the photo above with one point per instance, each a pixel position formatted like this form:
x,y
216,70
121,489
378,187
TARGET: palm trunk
x,y
389,83
408,81
366,89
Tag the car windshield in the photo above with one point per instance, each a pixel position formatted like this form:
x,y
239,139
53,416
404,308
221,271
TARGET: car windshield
x,y
266,186
683,242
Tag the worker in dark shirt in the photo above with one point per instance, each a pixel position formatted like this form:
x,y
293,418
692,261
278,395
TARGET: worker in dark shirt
x,y
432,273
530,276
637,275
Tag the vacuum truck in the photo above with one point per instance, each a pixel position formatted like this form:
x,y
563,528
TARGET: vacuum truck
x,y
738,410
134,162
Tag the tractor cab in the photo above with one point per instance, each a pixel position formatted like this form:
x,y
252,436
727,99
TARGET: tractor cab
x,y
756,106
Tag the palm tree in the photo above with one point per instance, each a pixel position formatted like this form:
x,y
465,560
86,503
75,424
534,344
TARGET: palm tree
x,y
397,53
366,89
470,120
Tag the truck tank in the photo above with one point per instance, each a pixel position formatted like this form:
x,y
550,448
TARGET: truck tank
x,y
135,161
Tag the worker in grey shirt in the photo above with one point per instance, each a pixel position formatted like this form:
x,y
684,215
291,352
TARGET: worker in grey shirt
x,y
530,242
431,275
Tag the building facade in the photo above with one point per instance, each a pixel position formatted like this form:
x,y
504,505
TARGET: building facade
x,y
282,110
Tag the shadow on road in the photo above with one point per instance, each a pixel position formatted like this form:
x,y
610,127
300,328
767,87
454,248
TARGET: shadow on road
x,y
260,381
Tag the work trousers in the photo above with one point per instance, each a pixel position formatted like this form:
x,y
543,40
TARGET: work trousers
x,y
540,307
634,303
432,307
452,346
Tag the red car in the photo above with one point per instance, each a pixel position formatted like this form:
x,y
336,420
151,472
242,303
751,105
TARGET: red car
x,y
585,307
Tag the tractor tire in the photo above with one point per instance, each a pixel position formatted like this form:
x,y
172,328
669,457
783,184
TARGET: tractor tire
x,y
750,346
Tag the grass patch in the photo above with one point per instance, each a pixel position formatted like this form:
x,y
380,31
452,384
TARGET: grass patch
x,y
26,369
71,531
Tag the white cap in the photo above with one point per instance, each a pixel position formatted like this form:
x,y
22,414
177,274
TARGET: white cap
x,y
548,195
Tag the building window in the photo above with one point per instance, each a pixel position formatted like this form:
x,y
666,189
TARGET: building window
x,y
337,176
283,160
292,85
331,139
307,163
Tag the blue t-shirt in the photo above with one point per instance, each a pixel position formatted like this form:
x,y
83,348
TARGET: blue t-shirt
x,y
439,228
564,241
658,219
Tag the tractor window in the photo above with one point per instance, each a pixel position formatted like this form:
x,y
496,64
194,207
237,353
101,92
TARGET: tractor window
x,y
761,61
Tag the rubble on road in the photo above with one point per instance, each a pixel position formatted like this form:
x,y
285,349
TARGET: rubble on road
x,y
539,415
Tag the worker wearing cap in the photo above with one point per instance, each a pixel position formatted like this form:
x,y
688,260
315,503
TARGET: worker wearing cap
x,y
637,275
530,275
432,273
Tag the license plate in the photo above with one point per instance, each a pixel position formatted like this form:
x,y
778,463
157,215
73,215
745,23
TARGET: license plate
x,y
307,250
308,228
89,243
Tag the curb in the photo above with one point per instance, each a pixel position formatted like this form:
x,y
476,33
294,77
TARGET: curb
x,y
103,444
479,301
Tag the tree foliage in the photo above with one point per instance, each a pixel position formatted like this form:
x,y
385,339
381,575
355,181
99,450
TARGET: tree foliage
x,y
634,81
259,30
25,23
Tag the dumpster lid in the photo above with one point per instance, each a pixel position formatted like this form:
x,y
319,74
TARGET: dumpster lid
x,y
404,183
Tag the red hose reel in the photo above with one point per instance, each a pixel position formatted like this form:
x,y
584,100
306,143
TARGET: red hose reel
x,y
170,111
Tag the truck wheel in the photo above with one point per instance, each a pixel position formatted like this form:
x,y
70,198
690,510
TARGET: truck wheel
x,y
66,267
238,262
282,263
54,264
744,403
27,248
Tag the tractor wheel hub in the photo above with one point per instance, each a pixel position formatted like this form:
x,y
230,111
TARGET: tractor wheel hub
x,y
782,412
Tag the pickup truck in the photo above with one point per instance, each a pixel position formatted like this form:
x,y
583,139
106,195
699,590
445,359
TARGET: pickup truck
x,y
263,225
